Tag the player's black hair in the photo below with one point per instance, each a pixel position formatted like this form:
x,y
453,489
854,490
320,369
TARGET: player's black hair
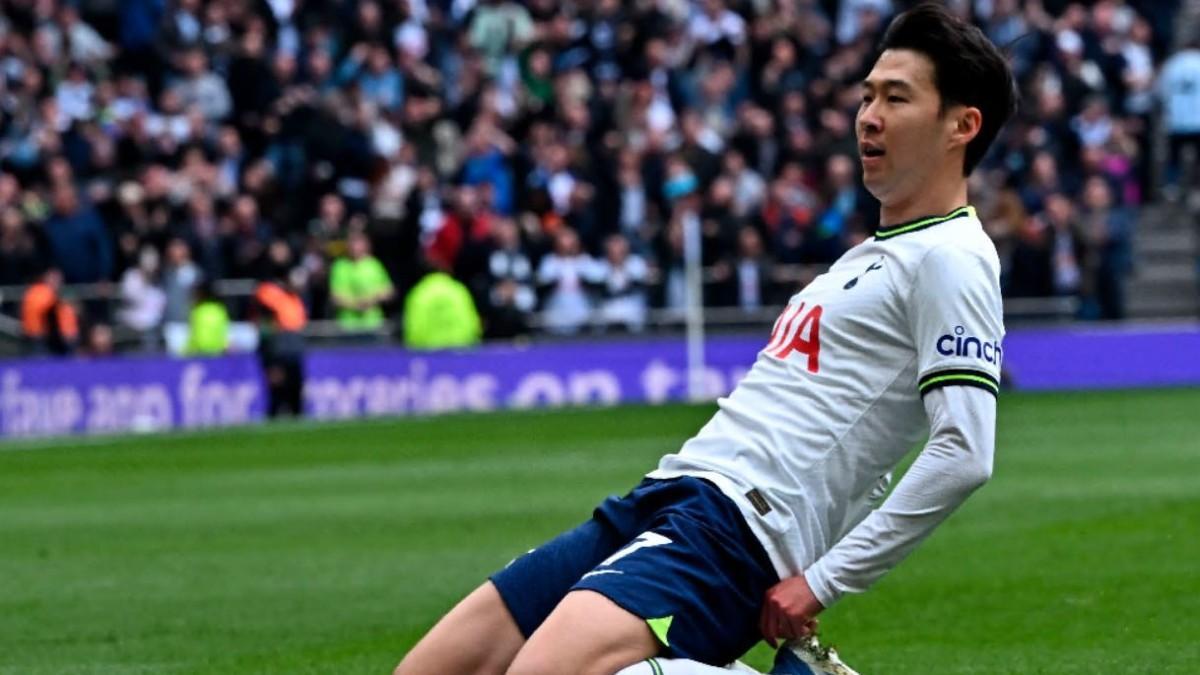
x,y
967,68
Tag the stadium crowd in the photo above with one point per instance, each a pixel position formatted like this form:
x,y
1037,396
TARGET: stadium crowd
x,y
547,156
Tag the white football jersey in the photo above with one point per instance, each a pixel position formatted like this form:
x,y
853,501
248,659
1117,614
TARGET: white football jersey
x,y
807,441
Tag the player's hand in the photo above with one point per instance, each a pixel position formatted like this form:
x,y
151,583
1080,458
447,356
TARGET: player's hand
x,y
789,611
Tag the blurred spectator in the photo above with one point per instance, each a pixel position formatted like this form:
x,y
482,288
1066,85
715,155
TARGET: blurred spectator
x,y
327,231
180,277
208,324
749,188
563,276
1179,86
621,279
458,243
281,321
65,325
858,17
201,89
49,323
143,298
244,238
846,203
1030,272
20,259
745,279
1107,229
86,46
636,205
370,69
99,341
37,305
787,217
359,285
1043,180
74,95
80,243
488,151
203,232
1068,246
1138,74
1093,125
712,23
229,159
671,257
440,314
509,290
499,28
326,241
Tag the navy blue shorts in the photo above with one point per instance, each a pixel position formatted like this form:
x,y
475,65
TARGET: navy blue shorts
x,y
677,553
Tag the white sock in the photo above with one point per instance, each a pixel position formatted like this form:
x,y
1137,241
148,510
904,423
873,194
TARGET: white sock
x,y
659,666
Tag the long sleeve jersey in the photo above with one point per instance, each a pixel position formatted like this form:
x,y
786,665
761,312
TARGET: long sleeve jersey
x,y
900,339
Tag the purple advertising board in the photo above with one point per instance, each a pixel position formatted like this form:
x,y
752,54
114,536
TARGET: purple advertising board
x,y
42,397
1104,357
350,383
51,397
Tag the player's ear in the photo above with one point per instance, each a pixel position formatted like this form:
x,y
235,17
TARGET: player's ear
x,y
966,121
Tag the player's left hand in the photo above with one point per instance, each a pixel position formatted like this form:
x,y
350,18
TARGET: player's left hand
x,y
789,611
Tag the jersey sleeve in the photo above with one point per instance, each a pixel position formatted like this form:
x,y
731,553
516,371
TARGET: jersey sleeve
x,y
955,461
956,320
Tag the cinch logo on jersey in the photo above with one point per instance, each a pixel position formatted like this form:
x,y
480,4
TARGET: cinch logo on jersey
x,y
958,345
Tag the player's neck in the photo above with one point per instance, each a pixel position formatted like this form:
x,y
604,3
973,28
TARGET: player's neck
x,y
939,195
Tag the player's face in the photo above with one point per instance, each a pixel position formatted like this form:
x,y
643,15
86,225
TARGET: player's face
x,y
903,138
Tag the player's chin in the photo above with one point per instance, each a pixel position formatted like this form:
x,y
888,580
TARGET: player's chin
x,y
875,181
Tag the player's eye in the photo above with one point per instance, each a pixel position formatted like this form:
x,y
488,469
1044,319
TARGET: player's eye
x,y
895,99
866,99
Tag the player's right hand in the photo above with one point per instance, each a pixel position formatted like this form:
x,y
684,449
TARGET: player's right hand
x,y
789,611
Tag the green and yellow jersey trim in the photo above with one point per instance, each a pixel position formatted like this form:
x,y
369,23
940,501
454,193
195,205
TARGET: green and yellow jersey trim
x,y
661,627
964,377
885,232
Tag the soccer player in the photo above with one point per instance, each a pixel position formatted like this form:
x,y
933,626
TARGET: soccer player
x,y
764,518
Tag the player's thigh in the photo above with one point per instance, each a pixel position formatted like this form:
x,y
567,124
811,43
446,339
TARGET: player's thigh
x,y
534,584
696,579
587,634
478,636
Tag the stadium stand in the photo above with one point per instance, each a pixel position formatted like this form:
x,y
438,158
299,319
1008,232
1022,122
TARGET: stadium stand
x,y
549,154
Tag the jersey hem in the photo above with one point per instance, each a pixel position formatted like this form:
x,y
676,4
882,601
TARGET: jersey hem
x,y
731,489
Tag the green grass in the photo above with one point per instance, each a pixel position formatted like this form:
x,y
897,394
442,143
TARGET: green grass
x,y
330,549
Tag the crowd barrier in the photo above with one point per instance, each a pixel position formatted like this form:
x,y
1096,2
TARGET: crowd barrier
x,y
41,397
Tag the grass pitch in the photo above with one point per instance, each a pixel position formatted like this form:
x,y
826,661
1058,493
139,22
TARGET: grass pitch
x,y
331,548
